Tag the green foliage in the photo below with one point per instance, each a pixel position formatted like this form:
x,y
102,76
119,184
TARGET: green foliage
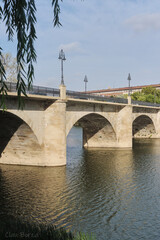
x,y
136,95
148,94
142,98
82,236
20,19
150,98
56,10
148,90
16,228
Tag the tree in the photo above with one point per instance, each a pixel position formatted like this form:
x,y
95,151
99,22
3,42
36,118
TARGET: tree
x,y
147,94
148,90
135,95
19,17
10,66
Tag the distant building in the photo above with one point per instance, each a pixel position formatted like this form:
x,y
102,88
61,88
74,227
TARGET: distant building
x,y
121,91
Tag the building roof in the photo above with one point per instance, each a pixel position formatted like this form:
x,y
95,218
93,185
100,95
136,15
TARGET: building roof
x,y
123,88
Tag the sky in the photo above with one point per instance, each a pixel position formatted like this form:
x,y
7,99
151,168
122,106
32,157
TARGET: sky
x,y
102,39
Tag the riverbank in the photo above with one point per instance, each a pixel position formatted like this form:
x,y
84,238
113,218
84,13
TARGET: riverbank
x,y
20,229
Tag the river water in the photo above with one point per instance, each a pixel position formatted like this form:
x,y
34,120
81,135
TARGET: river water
x,y
114,194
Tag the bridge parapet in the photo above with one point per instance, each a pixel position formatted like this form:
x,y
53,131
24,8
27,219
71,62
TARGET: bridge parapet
x,y
46,91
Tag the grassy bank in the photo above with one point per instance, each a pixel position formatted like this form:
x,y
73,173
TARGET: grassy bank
x,y
18,229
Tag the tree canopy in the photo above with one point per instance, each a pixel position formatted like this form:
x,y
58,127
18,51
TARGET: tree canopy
x,y
147,94
19,17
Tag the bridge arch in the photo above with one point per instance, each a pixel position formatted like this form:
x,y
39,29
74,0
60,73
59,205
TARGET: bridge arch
x,y
72,119
143,126
18,143
97,130
29,119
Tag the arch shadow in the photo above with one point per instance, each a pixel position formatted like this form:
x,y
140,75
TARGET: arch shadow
x,y
143,127
97,130
14,130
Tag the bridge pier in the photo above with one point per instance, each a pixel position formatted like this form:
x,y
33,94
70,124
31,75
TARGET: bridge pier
x,y
55,134
124,127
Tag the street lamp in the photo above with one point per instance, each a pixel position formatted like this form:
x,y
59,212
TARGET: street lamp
x,y
62,58
85,80
129,87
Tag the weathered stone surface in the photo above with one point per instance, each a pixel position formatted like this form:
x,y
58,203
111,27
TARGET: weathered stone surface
x,y
143,127
124,127
97,131
55,134
37,135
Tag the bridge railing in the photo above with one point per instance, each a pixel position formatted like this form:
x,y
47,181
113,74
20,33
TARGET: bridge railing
x,y
45,91
80,95
145,103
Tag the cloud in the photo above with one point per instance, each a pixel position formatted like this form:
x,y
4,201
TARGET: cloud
x,y
71,47
144,22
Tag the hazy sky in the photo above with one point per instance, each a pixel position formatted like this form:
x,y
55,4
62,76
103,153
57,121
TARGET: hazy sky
x,y
103,39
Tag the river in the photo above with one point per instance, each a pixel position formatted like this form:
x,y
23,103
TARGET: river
x,y
112,193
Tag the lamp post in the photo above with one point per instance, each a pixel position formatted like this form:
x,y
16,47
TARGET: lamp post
x,y
129,87
62,58
85,81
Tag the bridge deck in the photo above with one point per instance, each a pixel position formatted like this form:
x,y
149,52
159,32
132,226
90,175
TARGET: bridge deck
x,y
42,93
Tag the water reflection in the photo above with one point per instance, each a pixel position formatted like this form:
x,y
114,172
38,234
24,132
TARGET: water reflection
x,y
28,191
112,193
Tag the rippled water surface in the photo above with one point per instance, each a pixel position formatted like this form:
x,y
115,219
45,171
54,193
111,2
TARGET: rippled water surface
x,y
112,193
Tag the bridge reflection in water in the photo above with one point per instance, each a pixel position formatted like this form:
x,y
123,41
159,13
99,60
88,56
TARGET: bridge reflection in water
x,y
112,193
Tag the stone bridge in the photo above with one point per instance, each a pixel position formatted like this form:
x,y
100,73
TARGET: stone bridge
x,y
37,134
